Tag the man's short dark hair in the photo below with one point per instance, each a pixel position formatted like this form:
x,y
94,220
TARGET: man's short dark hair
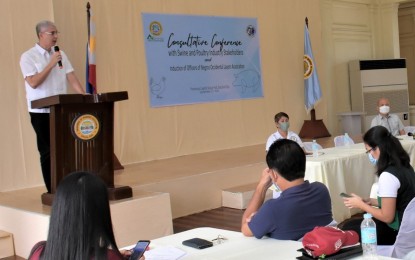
x,y
287,158
278,116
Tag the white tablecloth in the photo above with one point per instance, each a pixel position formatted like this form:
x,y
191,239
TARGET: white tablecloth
x,y
347,169
236,246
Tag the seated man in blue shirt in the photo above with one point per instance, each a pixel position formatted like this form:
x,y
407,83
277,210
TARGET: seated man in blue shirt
x,y
301,206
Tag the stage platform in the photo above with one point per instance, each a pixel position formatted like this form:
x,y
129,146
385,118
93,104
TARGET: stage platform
x,y
162,190
195,182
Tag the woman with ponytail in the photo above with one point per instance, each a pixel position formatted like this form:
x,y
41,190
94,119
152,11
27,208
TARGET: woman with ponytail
x,y
396,185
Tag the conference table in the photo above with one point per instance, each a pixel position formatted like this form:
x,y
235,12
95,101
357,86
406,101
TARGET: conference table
x,y
347,169
234,245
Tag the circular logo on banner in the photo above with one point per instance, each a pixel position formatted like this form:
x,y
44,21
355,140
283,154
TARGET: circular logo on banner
x,y
155,28
250,30
85,127
308,66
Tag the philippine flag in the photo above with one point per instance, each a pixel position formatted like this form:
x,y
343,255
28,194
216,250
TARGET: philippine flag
x,y
91,80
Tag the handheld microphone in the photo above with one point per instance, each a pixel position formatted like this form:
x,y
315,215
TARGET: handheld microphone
x,y
59,62
410,134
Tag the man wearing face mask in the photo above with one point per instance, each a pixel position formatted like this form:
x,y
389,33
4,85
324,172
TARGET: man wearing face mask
x,y
282,122
390,121
301,206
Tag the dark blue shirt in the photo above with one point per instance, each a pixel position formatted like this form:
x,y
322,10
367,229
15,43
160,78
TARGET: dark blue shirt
x,y
297,211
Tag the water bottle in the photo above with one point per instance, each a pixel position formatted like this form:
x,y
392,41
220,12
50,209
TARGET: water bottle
x,y
368,235
314,147
346,139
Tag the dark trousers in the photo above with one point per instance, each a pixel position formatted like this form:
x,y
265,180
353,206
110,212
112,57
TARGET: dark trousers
x,y
40,123
385,234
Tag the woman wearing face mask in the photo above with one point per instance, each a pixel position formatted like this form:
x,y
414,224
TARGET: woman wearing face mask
x,y
282,122
396,185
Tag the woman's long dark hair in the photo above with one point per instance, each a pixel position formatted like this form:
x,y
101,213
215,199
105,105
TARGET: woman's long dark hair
x,y
391,150
80,222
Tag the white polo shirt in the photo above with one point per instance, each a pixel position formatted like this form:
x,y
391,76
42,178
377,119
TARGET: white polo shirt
x,y
276,136
34,61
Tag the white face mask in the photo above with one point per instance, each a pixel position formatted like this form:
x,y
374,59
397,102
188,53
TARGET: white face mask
x,y
384,109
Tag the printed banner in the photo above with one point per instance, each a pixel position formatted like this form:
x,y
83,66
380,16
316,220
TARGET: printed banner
x,y
195,59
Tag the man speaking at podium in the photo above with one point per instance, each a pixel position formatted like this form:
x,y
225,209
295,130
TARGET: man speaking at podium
x,y
47,72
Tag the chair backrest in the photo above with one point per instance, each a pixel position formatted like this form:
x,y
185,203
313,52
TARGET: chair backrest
x,y
405,241
339,140
308,146
409,129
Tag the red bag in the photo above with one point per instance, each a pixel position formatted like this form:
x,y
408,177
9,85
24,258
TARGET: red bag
x,y
324,241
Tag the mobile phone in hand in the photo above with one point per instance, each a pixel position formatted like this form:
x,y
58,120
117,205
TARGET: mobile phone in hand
x,y
345,195
139,249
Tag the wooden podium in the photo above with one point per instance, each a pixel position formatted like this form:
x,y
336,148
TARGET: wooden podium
x,y
82,138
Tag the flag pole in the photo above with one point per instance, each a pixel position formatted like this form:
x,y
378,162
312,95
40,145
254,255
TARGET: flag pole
x,y
313,128
116,163
88,17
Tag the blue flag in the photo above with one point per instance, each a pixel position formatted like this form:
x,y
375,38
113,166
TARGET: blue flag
x,y
312,91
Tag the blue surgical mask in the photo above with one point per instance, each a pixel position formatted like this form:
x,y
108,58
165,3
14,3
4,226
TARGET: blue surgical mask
x,y
284,126
372,160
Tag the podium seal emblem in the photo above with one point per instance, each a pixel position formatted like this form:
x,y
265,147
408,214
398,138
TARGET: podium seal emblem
x,y
85,127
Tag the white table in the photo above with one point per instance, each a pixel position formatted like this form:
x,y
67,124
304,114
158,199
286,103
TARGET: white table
x,y
237,246
347,169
